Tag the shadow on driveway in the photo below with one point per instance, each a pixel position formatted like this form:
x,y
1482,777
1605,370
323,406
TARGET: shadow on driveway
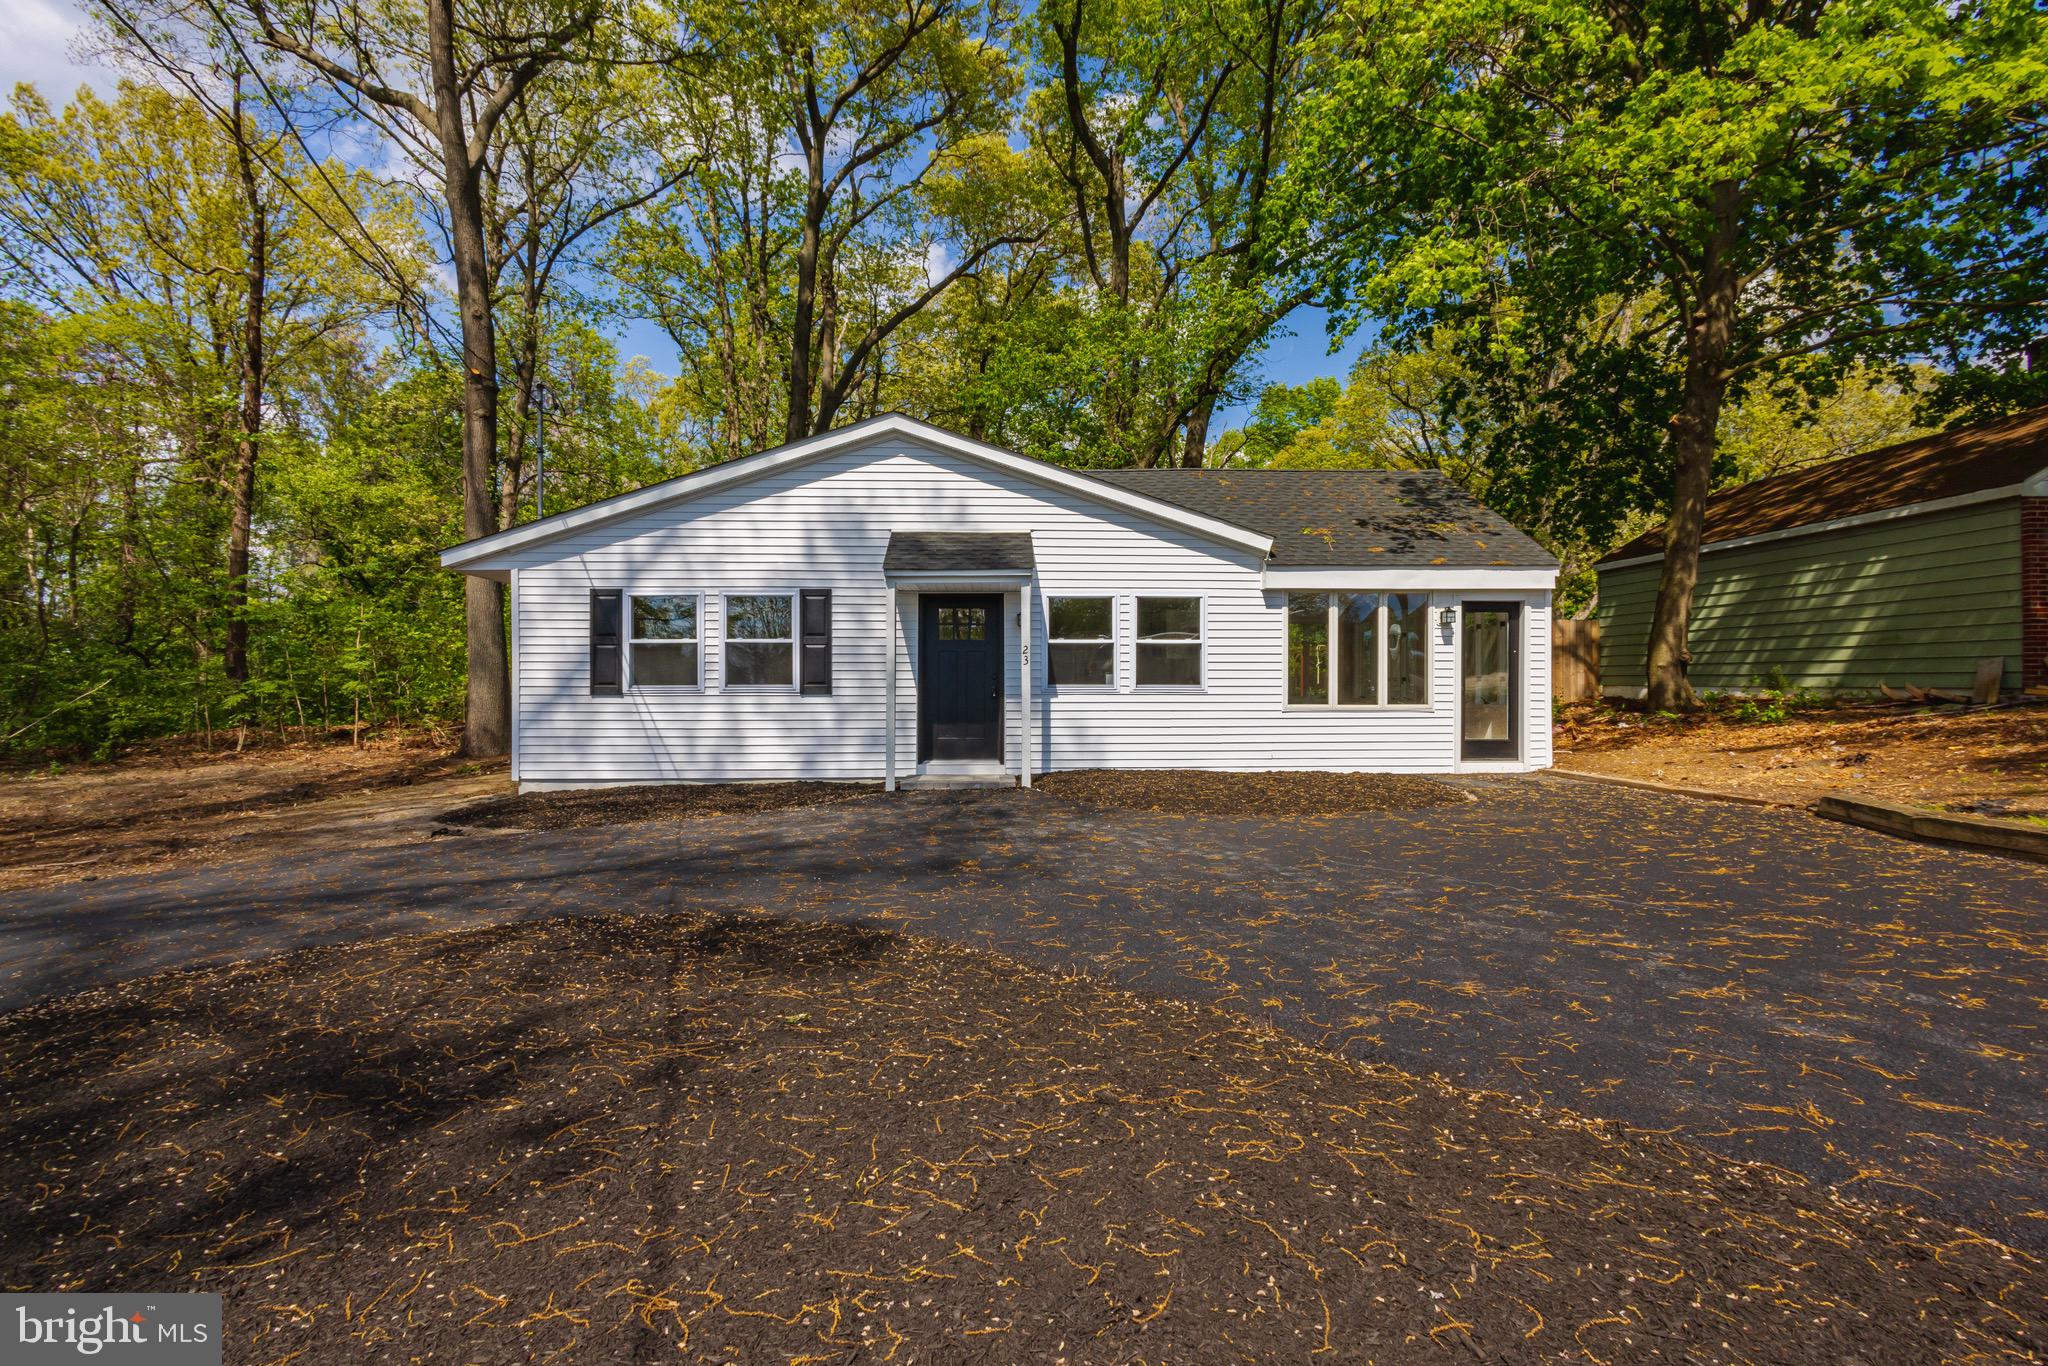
x,y
1863,1011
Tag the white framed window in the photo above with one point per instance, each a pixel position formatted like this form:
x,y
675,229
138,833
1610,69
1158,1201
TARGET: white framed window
x,y
760,640
1358,649
1169,642
1080,640
665,648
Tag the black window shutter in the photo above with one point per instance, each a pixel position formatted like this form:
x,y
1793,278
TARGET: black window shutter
x,y
606,677
817,628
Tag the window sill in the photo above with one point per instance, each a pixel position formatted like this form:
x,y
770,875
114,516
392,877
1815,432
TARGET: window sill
x,y
1083,689
768,689
667,688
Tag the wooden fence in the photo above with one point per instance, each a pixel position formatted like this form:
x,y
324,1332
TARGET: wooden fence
x,y
1575,660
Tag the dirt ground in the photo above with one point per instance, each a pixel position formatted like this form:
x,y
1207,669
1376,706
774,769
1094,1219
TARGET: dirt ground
x,y
722,1138
182,804
1189,792
1991,762
580,810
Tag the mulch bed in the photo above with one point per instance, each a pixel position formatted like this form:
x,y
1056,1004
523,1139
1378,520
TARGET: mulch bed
x,y
1193,792
617,805
702,1138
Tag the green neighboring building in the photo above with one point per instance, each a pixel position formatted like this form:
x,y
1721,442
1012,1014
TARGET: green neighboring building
x,y
1904,565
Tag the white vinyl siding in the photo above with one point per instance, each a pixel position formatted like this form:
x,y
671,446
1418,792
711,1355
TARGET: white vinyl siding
x,y
826,525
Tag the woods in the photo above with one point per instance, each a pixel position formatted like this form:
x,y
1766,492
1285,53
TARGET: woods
x,y
276,315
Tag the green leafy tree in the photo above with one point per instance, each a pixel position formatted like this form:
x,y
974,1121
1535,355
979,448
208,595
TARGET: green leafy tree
x,y
844,174
562,173
1622,216
438,78
1284,414
1173,132
180,294
1807,420
1403,410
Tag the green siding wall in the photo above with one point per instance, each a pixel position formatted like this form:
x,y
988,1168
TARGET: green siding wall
x,y
1915,600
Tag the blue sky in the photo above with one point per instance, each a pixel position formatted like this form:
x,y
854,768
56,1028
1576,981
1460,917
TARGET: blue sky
x,y
39,43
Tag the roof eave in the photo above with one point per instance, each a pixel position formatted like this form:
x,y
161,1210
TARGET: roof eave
x,y
2034,487
1395,577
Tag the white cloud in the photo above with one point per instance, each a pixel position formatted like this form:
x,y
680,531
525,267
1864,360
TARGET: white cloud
x,y
38,43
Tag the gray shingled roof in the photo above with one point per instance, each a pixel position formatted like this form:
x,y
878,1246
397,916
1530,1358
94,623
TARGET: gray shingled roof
x,y
1358,518
958,552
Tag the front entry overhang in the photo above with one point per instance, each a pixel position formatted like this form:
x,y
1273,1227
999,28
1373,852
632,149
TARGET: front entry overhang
x,y
960,562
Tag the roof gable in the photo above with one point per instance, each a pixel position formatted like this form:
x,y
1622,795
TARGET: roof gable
x,y
1977,461
490,552
1354,518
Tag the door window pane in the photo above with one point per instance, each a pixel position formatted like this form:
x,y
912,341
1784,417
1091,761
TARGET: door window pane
x,y
1488,674
1407,649
1308,648
963,623
1358,655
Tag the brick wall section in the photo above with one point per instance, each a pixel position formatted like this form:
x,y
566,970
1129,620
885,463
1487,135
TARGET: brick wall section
x,y
2034,592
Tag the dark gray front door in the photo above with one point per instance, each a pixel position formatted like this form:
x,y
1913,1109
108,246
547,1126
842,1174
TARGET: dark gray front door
x,y
1489,680
960,677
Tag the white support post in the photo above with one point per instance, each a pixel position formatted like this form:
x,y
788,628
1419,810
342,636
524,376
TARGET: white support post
x,y
889,701
1024,668
514,771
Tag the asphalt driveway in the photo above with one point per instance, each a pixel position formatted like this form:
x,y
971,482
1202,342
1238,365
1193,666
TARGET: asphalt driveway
x,y
1864,1011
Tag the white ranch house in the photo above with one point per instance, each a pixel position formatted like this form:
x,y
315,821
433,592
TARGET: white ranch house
x,y
892,602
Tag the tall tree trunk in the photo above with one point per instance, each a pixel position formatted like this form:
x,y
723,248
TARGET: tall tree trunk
x,y
126,603
35,582
487,727
1194,450
804,308
1710,332
525,371
242,511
